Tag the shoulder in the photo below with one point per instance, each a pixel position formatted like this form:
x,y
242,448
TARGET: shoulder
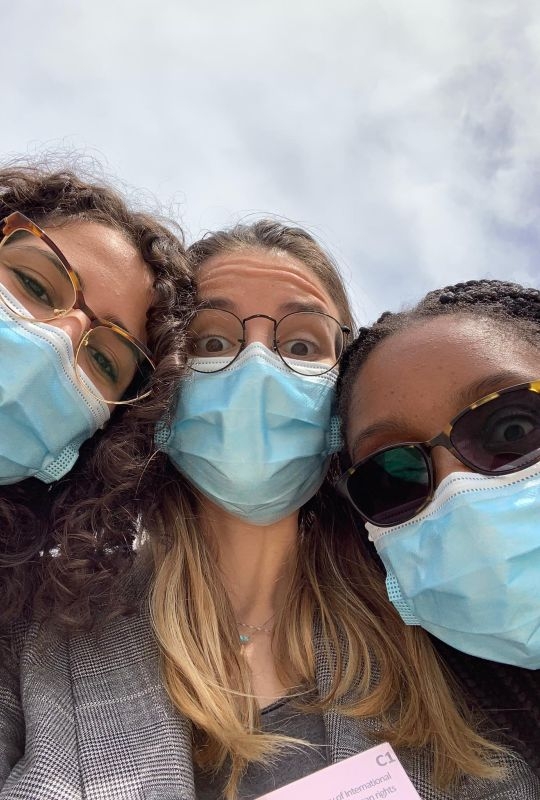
x,y
13,643
517,781
42,660
508,696
85,699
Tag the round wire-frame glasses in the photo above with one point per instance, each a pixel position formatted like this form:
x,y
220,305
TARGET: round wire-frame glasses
x,y
308,342
46,285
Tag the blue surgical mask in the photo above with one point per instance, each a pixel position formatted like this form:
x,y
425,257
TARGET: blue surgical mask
x,y
255,438
467,569
45,414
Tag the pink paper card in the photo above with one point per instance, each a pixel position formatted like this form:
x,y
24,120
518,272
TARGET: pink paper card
x,y
375,774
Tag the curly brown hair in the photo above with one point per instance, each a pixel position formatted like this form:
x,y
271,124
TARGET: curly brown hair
x,y
62,545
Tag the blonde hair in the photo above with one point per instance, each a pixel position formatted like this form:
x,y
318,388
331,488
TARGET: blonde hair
x,y
380,667
335,584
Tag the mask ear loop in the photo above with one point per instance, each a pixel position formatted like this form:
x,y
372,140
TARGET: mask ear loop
x,y
398,601
162,434
334,436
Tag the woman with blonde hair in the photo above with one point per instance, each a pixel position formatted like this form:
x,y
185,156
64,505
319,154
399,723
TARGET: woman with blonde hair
x,y
265,647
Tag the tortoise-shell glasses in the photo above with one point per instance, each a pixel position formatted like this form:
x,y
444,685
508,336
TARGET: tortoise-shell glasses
x,y
497,435
37,283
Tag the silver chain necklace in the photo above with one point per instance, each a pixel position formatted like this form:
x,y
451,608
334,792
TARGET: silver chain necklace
x,y
245,638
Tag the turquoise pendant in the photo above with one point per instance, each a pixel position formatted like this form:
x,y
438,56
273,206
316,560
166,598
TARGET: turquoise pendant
x,y
244,638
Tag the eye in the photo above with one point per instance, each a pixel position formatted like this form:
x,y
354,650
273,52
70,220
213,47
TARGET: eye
x,y
212,345
102,364
298,348
509,427
34,288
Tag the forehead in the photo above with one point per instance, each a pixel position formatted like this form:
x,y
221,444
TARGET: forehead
x,y
262,281
116,281
453,343
417,376
97,247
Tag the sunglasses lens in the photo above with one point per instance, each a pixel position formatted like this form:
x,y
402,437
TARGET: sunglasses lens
x,y
501,435
391,486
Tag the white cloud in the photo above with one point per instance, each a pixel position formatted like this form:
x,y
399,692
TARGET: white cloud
x,y
405,135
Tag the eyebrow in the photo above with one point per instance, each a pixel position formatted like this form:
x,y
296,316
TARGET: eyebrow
x,y
223,304
493,383
462,398
390,425
117,322
126,342
291,308
51,256
47,253
108,317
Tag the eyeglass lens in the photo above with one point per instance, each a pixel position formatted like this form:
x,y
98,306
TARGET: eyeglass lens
x,y
498,437
304,337
34,276
118,369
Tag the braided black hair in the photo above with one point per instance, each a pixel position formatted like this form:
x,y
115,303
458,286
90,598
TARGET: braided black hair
x,y
515,307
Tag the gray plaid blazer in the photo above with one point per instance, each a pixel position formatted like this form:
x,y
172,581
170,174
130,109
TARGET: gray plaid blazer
x,y
86,718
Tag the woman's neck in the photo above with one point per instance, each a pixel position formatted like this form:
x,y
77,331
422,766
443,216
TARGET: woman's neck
x,y
255,562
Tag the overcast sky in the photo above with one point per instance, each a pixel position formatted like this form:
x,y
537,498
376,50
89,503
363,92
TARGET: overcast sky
x,y
405,135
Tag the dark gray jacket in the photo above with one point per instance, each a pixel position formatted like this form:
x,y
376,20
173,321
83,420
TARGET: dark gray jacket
x,y
88,719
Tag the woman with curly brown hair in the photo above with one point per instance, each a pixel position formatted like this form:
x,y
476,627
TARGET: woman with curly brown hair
x,y
454,515
265,647
93,296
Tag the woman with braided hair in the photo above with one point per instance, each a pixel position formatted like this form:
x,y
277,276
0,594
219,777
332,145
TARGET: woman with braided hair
x,y
441,413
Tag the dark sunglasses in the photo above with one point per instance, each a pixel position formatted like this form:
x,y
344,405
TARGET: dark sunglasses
x,y
497,435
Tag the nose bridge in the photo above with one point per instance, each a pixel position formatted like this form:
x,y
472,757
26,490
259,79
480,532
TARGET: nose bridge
x,y
260,328
443,459
75,323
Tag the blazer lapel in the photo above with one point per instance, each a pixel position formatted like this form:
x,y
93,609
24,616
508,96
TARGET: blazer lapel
x,y
345,736
132,744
